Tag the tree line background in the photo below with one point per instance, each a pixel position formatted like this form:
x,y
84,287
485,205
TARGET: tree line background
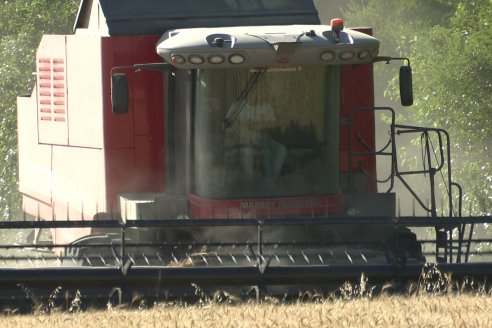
x,y
450,47
22,23
448,41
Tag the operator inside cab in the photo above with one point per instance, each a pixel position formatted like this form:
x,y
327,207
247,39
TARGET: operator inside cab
x,y
261,154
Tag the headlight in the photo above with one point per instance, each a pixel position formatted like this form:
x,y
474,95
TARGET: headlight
x,y
178,59
327,55
196,60
347,55
236,59
216,59
363,54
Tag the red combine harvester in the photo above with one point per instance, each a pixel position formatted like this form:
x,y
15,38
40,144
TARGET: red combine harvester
x,y
228,144
241,122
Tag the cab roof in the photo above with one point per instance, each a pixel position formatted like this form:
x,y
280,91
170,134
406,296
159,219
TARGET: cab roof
x,y
130,17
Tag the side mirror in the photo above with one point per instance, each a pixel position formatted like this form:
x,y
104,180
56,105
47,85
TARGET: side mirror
x,y
406,88
119,93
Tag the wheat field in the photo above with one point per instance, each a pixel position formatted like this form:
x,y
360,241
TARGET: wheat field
x,y
457,310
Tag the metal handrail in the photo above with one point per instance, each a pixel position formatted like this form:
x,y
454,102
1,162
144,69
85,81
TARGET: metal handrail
x,y
398,129
442,135
381,152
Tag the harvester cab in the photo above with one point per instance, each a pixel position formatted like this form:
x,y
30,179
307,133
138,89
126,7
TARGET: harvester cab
x,y
260,108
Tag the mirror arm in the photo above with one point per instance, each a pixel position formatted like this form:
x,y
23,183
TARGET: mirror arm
x,y
405,77
388,59
162,67
119,83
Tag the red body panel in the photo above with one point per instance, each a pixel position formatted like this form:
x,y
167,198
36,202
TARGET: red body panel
x,y
74,162
357,90
273,207
134,142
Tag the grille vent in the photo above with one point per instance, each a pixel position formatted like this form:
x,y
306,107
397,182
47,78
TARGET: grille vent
x,y
52,91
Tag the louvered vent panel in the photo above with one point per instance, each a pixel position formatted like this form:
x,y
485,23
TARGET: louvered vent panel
x,y
52,89
52,95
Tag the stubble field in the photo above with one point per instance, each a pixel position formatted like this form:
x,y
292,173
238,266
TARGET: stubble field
x,y
456,310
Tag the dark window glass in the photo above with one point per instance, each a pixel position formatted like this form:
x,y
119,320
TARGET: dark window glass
x,y
266,133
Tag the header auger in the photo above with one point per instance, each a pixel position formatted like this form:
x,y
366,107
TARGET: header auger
x,y
234,148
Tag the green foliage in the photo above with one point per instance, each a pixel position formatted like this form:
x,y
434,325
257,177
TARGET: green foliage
x,y
456,92
397,22
449,44
22,23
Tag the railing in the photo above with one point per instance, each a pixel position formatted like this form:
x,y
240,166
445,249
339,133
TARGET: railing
x,y
257,259
260,229
436,159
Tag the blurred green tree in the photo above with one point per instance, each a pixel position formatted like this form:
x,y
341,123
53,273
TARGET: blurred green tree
x,y
22,23
449,43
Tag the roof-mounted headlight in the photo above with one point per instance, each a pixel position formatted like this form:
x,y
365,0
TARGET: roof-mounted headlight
x,y
363,54
178,59
216,59
327,55
236,59
196,60
347,55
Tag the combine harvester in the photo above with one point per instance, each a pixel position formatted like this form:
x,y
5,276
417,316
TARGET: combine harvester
x,y
166,146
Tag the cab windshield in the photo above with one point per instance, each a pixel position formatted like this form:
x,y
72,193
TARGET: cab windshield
x,y
266,133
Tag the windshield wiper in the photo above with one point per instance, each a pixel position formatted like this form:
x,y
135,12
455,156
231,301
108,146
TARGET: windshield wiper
x,y
234,112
